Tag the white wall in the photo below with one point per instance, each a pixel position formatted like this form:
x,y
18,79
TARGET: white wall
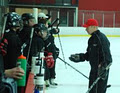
x,y
81,31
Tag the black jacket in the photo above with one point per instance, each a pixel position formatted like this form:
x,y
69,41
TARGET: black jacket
x,y
1,74
37,46
50,46
13,49
24,34
98,51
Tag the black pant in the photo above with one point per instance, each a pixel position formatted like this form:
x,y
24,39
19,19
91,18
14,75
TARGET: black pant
x,y
101,86
2,88
49,72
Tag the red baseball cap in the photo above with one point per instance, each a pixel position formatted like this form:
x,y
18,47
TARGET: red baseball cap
x,y
91,22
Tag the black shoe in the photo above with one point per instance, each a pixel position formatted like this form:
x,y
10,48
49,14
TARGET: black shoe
x,y
52,82
55,84
47,86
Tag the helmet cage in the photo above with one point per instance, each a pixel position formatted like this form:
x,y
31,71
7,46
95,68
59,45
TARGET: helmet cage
x,y
13,20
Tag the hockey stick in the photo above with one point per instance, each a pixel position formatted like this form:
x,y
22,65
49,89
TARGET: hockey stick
x,y
53,22
96,81
31,36
61,45
58,35
4,24
61,49
73,68
78,70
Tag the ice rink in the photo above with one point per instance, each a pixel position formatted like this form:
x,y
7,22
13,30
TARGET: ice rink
x,y
69,80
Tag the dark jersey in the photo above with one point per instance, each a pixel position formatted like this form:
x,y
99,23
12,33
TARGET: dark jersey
x,y
37,45
1,74
13,49
98,51
24,34
50,46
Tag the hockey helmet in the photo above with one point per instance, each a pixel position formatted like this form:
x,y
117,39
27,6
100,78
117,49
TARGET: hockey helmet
x,y
27,16
13,20
44,33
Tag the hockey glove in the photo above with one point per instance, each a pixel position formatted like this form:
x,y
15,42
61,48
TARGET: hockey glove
x,y
77,57
49,60
102,72
54,31
3,47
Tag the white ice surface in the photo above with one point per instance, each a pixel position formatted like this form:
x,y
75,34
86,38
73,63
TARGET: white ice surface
x,y
69,80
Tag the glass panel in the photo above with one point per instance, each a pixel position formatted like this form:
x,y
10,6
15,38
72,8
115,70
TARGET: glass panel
x,y
71,17
54,14
63,2
59,2
66,16
105,18
67,2
63,17
117,19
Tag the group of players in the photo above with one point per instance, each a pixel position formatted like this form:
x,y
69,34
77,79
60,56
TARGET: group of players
x,y
17,40
18,31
